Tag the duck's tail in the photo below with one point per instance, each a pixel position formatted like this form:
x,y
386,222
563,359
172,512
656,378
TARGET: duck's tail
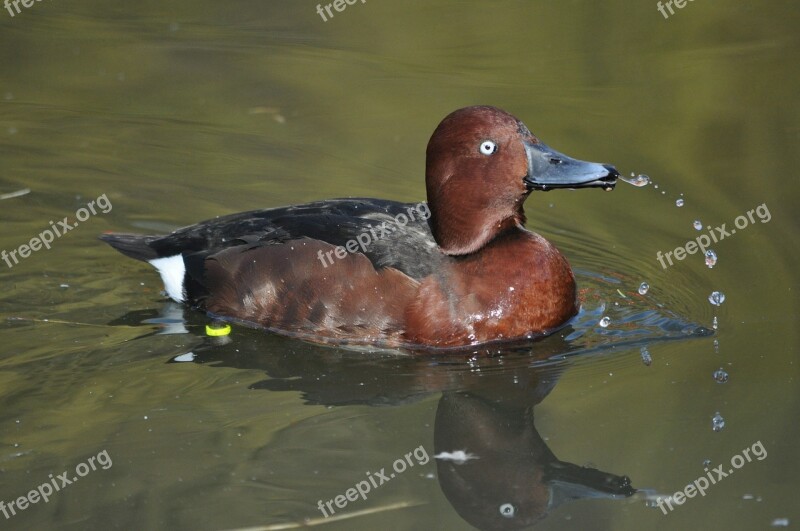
x,y
135,246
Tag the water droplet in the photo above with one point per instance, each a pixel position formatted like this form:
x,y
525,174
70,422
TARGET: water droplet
x,y
679,203
717,422
715,323
716,346
638,180
711,258
720,375
716,298
644,287
706,463
698,225
646,358
604,322
655,186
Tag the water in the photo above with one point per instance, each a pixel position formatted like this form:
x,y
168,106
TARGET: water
x,y
644,287
184,111
637,180
720,375
716,298
717,422
647,359
711,260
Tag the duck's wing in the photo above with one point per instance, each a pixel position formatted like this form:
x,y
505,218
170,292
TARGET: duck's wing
x,y
388,233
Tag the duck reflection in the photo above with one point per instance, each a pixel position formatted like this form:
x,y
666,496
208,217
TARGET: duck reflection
x,y
493,466
513,479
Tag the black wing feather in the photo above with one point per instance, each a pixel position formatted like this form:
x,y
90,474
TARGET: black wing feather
x,y
410,248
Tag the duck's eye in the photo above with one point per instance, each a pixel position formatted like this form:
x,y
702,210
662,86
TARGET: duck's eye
x,y
507,510
488,147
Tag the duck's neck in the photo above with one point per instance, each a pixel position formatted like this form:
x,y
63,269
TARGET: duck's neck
x,y
461,231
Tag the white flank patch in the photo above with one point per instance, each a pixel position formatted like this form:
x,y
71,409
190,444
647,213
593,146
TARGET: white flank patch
x,y
172,271
458,457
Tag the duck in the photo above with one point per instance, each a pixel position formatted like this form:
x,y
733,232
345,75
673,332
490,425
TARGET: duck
x,y
456,271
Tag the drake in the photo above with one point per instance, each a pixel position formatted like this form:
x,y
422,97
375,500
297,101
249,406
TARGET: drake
x,y
462,272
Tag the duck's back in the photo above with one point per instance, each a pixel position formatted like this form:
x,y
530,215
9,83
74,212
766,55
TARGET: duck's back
x,y
330,268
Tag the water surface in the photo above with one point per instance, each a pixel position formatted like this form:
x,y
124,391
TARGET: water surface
x,y
182,111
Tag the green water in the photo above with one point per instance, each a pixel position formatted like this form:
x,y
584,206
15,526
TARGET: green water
x,y
181,111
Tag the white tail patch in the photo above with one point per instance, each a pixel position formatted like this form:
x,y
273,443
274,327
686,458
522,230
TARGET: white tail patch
x,y
172,271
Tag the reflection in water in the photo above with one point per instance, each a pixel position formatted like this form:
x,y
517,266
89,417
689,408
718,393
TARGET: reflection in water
x,y
511,479
515,479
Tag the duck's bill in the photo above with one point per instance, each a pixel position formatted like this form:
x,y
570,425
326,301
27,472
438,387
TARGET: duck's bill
x,y
548,170
571,482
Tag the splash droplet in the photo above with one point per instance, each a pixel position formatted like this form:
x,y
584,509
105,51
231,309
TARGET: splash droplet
x,y
711,258
715,323
706,463
638,181
679,203
644,287
717,422
698,225
604,322
716,298
646,358
720,375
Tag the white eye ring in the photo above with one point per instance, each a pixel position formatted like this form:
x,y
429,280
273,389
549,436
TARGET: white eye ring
x,y
507,510
488,147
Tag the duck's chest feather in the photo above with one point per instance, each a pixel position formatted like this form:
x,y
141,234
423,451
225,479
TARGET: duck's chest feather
x,y
519,285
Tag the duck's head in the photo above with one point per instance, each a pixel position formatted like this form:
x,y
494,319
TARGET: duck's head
x,y
482,163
